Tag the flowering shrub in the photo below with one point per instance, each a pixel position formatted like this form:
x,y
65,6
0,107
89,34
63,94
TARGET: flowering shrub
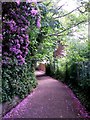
x,y
16,21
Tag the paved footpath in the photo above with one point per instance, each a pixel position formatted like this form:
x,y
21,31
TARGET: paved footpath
x,y
51,99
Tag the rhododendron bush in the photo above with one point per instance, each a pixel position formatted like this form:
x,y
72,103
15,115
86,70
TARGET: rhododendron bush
x,y
18,20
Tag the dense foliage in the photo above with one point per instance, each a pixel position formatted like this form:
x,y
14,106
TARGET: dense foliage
x,y
17,81
18,77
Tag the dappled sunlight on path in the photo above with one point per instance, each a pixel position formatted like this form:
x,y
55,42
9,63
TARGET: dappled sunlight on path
x,y
39,73
51,99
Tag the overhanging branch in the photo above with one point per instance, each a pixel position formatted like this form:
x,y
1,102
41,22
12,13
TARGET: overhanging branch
x,y
68,13
58,8
59,33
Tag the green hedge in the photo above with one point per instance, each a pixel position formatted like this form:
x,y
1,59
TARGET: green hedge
x,y
17,81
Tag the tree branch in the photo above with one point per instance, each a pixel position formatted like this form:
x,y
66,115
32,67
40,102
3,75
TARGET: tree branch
x,y
67,13
59,34
58,8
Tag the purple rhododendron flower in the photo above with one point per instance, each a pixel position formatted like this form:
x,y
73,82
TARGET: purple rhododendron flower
x,y
12,49
17,51
27,37
26,53
13,22
38,22
18,45
21,61
17,41
34,12
21,41
12,25
19,57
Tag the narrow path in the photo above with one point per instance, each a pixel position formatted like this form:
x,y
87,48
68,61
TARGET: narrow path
x,y
49,100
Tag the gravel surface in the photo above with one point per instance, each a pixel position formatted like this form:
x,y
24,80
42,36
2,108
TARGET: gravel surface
x,y
50,99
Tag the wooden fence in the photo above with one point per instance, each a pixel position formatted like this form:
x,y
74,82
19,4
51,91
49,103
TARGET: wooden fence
x,y
83,70
80,71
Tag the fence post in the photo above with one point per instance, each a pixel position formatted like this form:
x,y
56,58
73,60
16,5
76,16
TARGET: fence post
x,y
57,64
54,64
66,75
77,64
